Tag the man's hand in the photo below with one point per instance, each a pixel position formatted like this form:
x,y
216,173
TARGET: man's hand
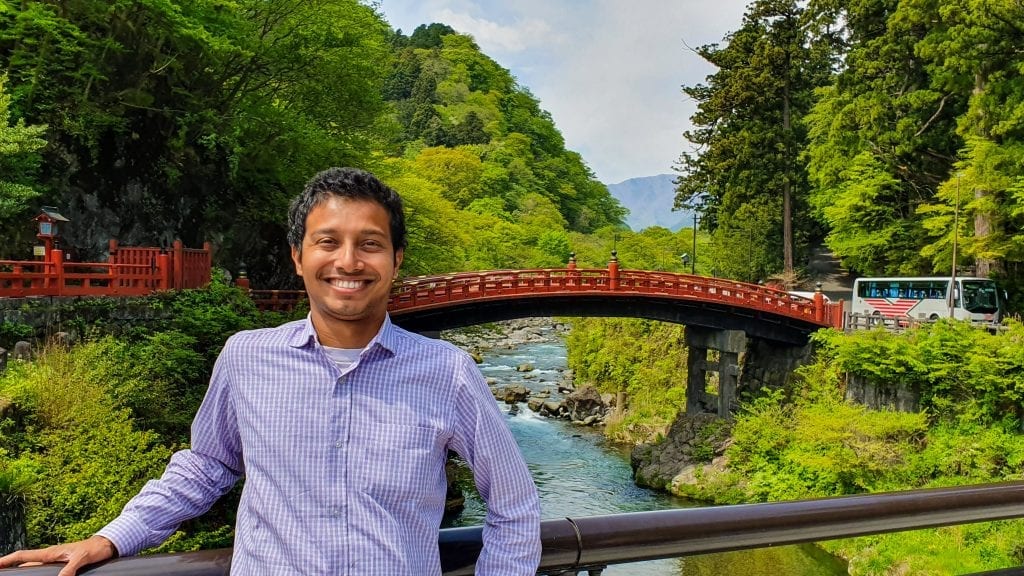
x,y
76,554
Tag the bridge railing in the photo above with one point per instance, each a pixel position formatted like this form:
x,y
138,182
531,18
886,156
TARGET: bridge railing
x,y
127,272
592,543
428,291
423,292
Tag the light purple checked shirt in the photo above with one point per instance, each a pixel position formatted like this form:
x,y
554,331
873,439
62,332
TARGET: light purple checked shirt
x,y
344,471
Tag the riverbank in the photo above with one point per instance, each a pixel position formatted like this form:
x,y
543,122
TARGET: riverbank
x,y
579,472
507,334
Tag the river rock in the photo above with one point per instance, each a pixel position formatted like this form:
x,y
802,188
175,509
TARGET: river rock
x,y
525,367
692,440
691,474
551,408
62,339
22,351
506,334
514,394
584,402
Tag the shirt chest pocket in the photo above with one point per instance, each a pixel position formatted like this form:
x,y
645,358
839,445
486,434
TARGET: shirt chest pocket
x,y
398,463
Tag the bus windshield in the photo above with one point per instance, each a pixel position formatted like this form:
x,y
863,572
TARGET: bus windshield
x,y
980,296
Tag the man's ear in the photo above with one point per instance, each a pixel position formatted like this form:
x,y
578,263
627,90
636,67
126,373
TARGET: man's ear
x,y
297,260
399,254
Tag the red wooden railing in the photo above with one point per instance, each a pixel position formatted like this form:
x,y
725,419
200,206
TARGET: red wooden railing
x,y
426,292
128,271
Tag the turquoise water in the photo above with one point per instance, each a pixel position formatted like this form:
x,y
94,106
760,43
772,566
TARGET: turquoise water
x,y
578,473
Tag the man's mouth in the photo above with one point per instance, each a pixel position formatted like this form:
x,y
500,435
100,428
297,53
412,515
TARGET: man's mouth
x,y
346,284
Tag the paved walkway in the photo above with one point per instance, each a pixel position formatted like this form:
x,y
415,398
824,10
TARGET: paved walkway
x,y
836,281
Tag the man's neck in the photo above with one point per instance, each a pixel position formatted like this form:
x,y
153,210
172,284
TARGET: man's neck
x,y
339,334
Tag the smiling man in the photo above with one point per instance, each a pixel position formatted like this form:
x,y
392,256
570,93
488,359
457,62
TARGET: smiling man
x,y
340,424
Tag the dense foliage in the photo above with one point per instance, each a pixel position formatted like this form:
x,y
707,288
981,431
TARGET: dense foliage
x,y
745,173
199,121
19,146
811,442
82,429
642,362
904,133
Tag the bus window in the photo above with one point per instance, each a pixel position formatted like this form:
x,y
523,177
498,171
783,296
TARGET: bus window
x,y
980,297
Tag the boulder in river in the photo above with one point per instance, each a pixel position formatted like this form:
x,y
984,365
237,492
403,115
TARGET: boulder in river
x,y
583,403
514,394
692,440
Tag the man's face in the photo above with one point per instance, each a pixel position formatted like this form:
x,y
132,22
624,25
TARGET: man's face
x,y
347,263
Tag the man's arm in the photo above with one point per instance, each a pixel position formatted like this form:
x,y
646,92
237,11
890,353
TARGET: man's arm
x,y
511,533
193,480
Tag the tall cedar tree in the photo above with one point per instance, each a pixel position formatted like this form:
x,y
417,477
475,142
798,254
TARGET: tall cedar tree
x,y
750,135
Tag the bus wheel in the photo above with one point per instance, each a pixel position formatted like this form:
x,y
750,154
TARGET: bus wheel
x,y
933,317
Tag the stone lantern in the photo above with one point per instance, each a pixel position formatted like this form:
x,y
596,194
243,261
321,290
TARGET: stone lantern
x,y
48,221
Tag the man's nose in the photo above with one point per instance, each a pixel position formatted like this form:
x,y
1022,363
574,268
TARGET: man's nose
x,y
347,259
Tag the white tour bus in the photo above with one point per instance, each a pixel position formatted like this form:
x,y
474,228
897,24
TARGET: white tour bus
x,y
927,298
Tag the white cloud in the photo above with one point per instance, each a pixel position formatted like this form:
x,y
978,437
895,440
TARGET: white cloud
x,y
493,37
609,71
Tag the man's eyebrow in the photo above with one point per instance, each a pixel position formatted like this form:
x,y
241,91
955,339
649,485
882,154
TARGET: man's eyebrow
x,y
364,232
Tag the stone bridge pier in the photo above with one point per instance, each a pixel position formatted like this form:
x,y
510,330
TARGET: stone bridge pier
x,y
743,365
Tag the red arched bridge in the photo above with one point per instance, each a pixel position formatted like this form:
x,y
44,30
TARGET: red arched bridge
x,y
431,303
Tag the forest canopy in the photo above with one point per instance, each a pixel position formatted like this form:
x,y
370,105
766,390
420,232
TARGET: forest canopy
x,y
200,120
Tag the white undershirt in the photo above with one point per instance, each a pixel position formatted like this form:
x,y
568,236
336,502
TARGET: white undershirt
x,y
343,357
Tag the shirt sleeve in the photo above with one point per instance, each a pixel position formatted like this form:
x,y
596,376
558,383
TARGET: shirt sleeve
x,y
511,533
194,478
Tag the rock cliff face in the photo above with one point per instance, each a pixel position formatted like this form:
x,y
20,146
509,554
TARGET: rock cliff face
x,y
693,442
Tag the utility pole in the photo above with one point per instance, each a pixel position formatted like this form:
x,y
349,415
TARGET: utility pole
x,y
693,262
956,227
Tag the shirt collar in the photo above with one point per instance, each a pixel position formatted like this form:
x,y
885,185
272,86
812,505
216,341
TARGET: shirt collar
x,y
386,337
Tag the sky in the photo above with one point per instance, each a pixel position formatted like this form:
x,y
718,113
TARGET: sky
x,y
610,72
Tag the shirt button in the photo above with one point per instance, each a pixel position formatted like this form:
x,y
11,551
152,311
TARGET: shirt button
x,y
339,444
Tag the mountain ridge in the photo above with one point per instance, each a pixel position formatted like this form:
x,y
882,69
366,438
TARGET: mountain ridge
x,y
649,200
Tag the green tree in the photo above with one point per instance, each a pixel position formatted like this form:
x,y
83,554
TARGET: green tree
x,y
973,52
881,137
194,120
18,159
749,124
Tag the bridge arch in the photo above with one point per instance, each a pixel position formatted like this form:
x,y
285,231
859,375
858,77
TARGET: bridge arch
x,y
433,303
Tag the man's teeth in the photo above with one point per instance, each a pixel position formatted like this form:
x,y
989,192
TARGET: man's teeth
x,y
347,284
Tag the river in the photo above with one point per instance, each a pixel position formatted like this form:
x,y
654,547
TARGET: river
x,y
578,473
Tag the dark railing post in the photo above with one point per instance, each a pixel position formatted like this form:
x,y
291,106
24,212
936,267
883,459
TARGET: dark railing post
x,y
819,304
57,259
613,272
243,280
178,261
163,268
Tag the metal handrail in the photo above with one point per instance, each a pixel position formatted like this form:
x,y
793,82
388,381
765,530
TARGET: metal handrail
x,y
590,543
